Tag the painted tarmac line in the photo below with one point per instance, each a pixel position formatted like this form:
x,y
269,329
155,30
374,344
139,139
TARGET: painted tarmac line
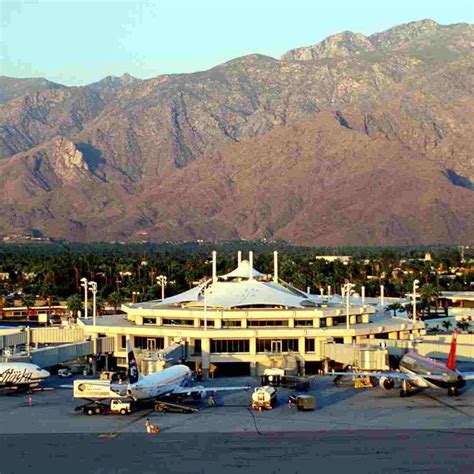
x,y
432,397
117,432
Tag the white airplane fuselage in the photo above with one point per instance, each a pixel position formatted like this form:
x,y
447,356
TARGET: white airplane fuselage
x,y
159,383
19,374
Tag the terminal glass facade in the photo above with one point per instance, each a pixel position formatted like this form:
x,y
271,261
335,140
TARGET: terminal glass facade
x,y
277,345
178,322
150,343
241,346
267,322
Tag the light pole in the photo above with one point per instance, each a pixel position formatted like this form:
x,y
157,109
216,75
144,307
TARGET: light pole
x,y
84,284
205,308
416,285
348,288
162,281
93,288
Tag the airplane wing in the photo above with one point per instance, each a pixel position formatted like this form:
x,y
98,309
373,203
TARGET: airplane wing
x,y
391,375
203,390
467,375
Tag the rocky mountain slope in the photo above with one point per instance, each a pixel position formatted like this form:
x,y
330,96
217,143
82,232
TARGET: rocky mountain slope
x,y
11,87
360,140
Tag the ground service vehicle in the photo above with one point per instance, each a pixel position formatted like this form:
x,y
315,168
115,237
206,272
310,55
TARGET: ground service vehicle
x,y
166,407
277,378
305,403
65,372
264,398
117,407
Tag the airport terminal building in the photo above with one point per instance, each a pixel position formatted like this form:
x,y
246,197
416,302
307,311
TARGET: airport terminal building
x,y
243,322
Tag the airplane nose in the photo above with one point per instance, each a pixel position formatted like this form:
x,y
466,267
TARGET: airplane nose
x,y
45,374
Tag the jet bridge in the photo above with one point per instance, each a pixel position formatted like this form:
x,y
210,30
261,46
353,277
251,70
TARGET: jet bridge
x,y
52,354
362,356
155,361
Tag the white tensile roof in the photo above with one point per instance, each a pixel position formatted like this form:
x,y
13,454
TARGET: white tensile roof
x,y
243,271
237,289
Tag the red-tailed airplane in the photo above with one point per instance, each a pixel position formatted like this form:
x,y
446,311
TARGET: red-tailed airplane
x,y
419,372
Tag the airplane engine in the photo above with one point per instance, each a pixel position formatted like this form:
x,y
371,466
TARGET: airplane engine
x,y
196,396
386,383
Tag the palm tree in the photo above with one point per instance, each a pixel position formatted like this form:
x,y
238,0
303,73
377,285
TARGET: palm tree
x,y
408,308
28,301
115,299
429,293
463,325
395,307
100,305
447,325
74,304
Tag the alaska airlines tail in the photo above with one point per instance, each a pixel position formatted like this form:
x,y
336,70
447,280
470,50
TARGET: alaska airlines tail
x,y
132,365
451,364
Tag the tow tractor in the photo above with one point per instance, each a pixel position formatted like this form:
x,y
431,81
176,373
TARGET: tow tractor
x,y
115,407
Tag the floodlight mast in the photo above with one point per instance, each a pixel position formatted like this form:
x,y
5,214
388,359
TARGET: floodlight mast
x,y
348,288
162,280
93,288
85,285
416,285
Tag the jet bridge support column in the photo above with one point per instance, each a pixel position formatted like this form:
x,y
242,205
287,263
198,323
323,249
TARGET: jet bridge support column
x,y
205,357
302,354
253,354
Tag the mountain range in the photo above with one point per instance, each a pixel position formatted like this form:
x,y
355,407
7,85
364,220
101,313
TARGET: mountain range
x,y
356,140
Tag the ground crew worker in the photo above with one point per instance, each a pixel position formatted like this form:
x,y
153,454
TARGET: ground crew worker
x,y
291,401
211,401
151,428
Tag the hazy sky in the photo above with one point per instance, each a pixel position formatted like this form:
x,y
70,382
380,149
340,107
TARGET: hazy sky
x,y
77,42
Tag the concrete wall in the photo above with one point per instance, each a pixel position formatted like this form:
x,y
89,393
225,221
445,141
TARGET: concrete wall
x,y
438,346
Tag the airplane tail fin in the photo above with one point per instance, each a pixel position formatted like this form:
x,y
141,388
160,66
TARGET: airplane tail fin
x,y
451,364
132,364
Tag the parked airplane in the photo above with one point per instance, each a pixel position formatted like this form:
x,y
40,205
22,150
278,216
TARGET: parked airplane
x,y
169,383
421,372
21,375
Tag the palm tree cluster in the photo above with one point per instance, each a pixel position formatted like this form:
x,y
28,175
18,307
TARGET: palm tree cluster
x,y
123,272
